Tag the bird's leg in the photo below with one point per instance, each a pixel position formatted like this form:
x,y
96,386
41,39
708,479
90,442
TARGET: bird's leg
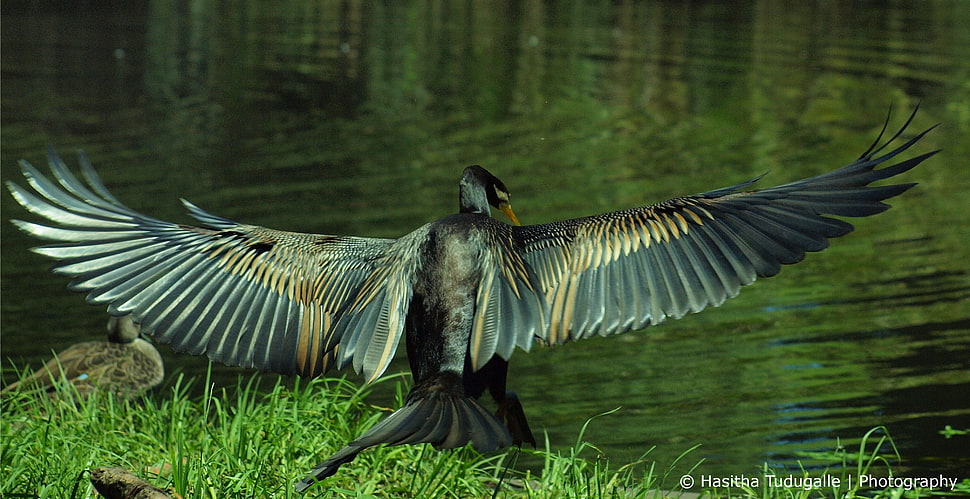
x,y
510,409
511,413
493,375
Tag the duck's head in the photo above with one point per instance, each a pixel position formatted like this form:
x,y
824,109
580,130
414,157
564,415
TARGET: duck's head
x,y
122,329
479,189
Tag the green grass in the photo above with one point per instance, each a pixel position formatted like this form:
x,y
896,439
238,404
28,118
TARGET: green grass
x,y
248,442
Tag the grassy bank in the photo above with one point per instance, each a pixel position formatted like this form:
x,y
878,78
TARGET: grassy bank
x,y
249,442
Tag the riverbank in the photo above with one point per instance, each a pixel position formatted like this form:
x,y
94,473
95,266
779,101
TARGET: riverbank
x,y
253,442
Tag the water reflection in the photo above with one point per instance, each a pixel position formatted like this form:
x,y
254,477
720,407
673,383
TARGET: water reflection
x,y
339,117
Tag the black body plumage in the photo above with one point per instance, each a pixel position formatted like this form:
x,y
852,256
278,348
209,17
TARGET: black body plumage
x,y
465,290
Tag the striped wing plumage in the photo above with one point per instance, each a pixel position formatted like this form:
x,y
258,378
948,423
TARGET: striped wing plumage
x,y
301,303
509,311
623,271
241,294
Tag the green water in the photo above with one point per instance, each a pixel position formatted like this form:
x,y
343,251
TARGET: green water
x,y
356,118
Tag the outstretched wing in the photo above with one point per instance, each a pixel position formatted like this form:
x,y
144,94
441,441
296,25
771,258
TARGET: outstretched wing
x,y
241,294
622,271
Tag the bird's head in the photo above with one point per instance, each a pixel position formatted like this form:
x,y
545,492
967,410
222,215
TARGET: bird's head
x,y
479,189
122,329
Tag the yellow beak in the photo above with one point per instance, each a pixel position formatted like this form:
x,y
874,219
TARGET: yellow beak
x,y
507,209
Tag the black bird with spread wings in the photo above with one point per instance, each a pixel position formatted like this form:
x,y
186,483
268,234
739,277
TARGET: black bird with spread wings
x,y
465,290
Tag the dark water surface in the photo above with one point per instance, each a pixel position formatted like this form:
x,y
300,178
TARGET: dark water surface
x,y
356,118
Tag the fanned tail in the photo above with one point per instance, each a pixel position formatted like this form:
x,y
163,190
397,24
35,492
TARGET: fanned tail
x,y
438,412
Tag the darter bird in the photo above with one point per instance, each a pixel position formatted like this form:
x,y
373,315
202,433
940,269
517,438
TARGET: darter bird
x,y
464,290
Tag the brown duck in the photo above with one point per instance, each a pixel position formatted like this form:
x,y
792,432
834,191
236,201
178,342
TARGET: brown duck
x,y
125,365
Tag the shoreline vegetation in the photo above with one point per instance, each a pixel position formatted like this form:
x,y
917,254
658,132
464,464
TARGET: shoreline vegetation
x,y
252,442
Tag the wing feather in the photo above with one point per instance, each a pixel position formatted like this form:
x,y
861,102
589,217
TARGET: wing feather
x,y
301,303
621,271
242,294
508,309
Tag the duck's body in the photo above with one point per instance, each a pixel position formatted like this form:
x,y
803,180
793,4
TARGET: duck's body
x,y
125,365
465,290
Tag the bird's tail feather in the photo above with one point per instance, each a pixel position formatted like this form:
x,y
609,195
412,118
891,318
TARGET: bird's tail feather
x,y
436,412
